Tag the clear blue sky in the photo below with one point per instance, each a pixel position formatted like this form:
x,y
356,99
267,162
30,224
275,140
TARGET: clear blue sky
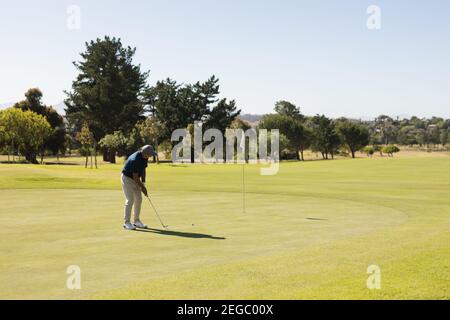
x,y
318,54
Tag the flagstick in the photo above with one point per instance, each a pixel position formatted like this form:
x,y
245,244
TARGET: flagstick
x,y
242,146
243,187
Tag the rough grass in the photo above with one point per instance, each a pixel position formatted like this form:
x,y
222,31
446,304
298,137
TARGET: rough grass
x,y
309,232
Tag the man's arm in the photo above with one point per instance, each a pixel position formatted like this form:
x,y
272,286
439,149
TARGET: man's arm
x,y
139,183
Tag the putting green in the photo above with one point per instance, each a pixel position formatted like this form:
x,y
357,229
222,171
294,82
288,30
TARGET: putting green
x,y
309,232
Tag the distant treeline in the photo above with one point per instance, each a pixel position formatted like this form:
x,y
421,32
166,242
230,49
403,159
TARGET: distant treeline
x,y
341,136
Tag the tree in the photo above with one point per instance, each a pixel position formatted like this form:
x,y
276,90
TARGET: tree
x,y
434,135
56,141
3,137
354,136
289,109
131,142
386,128
107,92
378,148
390,150
176,106
86,139
325,137
244,126
122,144
285,150
302,138
422,137
289,121
277,122
163,102
222,115
298,135
444,137
9,131
368,150
407,135
26,131
113,143
446,124
150,131
240,124
36,131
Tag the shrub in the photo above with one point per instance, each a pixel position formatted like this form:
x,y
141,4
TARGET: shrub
x,y
390,150
368,150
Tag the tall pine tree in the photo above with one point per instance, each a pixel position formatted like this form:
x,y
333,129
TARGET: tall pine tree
x,y
107,92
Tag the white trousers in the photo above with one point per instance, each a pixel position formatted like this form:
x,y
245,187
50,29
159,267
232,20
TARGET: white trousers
x,y
133,195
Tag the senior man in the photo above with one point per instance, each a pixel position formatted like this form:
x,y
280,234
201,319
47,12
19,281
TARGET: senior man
x,y
133,183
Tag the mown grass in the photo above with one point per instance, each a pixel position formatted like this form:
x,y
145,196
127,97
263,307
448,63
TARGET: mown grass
x,y
309,232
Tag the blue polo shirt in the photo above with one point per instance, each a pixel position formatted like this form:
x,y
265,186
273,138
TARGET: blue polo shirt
x,y
135,164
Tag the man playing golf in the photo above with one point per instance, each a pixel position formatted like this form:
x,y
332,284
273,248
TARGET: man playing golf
x,y
133,183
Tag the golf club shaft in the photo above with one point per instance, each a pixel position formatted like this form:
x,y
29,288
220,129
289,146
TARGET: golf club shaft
x,y
157,214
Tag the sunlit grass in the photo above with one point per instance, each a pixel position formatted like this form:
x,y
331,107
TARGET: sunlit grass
x,y
309,232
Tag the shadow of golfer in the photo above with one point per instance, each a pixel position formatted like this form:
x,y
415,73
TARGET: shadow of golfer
x,y
181,234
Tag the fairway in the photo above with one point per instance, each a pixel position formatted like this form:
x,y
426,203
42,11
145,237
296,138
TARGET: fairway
x,y
309,232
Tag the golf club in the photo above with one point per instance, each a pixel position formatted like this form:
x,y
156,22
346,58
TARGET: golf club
x,y
157,214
